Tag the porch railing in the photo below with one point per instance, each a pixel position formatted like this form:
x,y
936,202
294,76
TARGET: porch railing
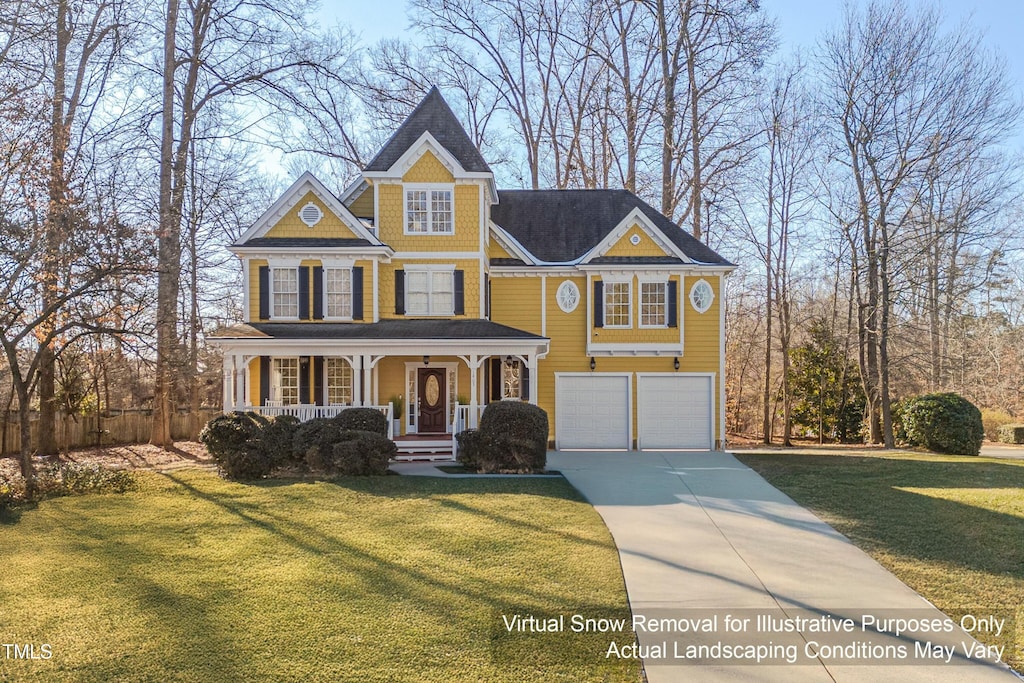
x,y
466,417
305,411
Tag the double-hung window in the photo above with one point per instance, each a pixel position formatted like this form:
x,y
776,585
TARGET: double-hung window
x,y
653,304
284,383
617,304
339,381
429,292
338,292
429,210
286,293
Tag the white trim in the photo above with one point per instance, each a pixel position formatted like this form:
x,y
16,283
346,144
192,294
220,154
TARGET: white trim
x,y
356,187
428,188
640,408
307,254
376,303
720,442
543,305
425,143
351,293
436,255
693,288
635,217
558,292
634,349
246,288
511,244
307,182
271,292
414,368
429,269
629,401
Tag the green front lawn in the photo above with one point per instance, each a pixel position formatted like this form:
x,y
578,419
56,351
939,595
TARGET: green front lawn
x,y
193,578
951,528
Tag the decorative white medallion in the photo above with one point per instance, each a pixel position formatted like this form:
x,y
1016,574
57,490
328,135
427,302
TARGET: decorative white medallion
x,y
310,214
634,239
568,296
701,296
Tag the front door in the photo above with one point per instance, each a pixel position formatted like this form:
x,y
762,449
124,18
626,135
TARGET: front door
x,y
432,393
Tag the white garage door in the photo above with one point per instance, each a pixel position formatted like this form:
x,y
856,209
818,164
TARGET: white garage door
x,y
674,411
592,411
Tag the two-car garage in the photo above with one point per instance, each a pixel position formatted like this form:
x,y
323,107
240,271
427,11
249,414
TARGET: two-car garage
x,y
594,410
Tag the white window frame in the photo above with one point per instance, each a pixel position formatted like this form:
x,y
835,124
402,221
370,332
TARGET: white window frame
x,y
429,270
327,292
429,188
506,366
328,385
664,305
693,293
277,387
608,285
273,292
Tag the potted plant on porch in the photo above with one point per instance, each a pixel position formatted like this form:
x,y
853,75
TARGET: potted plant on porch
x,y
396,413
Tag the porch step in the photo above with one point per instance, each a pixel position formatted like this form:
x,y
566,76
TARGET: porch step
x,y
424,448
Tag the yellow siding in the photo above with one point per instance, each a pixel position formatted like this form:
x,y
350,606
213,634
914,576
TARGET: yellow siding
x,y
568,334
428,169
516,302
471,282
254,289
636,334
330,225
700,352
362,206
646,247
254,381
495,250
254,286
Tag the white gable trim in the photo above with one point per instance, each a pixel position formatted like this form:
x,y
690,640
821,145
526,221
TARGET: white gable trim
x,y
511,244
427,143
355,188
307,182
635,217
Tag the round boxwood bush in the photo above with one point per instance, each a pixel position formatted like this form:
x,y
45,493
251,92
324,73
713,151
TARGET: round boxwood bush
x,y
470,445
357,453
945,423
362,419
316,436
235,441
513,437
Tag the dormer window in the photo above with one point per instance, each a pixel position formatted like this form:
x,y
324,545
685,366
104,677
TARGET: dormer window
x,y
429,209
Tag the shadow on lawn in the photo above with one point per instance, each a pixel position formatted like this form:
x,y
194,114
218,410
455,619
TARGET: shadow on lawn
x,y
867,498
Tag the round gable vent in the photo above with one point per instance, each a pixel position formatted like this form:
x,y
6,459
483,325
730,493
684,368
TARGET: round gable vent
x,y
310,214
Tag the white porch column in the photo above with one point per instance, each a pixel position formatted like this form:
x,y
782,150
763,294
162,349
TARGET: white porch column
x,y
357,380
367,380
228,363
240,383
531,363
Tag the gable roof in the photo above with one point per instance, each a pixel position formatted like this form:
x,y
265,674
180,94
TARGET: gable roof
x,y
562,226
432,115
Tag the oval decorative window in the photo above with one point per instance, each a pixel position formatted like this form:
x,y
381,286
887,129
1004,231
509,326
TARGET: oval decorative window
x,y
568,296
701,296
310,214
432,391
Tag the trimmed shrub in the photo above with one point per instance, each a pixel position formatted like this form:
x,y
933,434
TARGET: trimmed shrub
x,y
513,438
945,423
470,444
994,419
315,439
1012,433
235,443
277,437
362,419
357,453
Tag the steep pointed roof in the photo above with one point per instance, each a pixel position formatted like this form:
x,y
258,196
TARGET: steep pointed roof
x,y
431,115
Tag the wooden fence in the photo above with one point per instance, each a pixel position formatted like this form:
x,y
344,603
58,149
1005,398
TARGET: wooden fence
x,y
128,427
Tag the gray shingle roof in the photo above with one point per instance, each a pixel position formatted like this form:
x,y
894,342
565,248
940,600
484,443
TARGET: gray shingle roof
x,y
427,328
562,225
431,114
311,242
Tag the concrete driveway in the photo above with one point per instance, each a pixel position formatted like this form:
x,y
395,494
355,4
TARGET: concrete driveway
x,y
702,536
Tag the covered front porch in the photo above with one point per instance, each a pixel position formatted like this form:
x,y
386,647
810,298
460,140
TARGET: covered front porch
x,y
429,387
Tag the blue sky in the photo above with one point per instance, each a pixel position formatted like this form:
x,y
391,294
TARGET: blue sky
x,y
800,22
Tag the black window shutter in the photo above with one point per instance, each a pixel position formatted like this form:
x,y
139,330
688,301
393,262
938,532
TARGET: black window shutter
x,y
264,379
400,292
264,292
460,292
598,303
487,296
495,379
318,293
304,387
673,304
357,293
303,292
318,380
525,384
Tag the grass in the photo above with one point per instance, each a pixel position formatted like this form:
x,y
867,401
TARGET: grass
x,y
193,578
951,528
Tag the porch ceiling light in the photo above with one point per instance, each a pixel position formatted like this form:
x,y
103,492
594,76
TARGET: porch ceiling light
x,y
593,363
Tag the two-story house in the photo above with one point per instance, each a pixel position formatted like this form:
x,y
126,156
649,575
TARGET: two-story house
x,y
422,281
